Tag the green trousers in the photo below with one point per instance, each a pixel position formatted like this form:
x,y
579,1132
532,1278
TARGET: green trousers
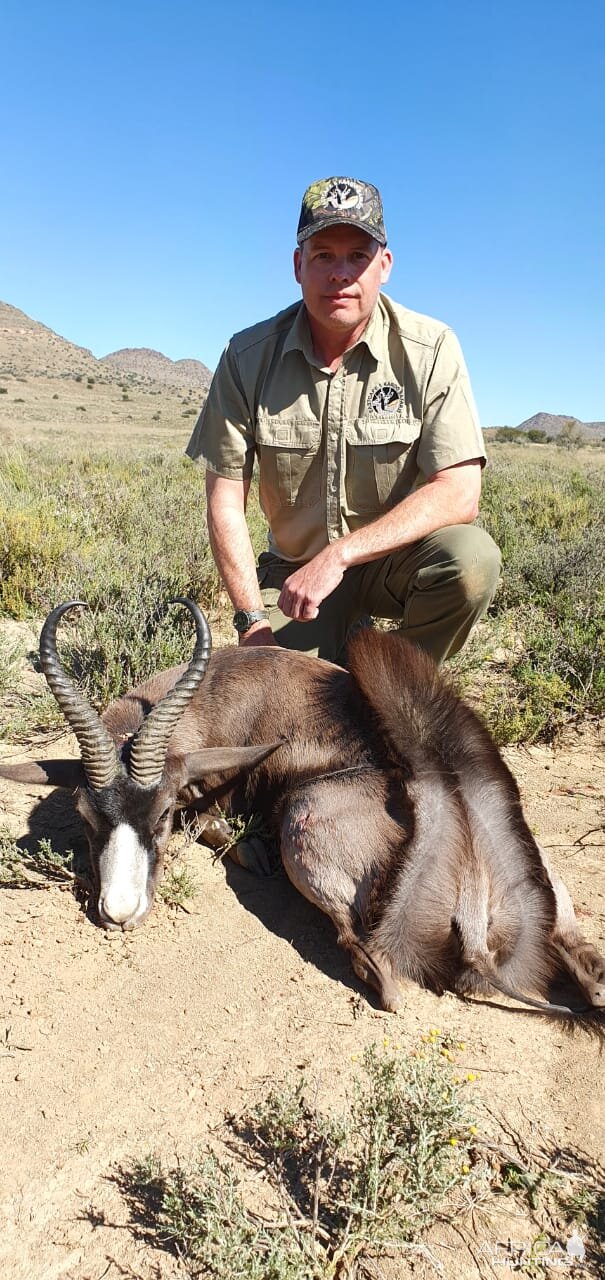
x,y
436,589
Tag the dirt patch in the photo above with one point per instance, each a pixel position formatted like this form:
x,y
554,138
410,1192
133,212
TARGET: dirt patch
x,y
114,1046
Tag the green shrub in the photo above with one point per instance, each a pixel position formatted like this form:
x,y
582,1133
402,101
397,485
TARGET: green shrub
x,y
548,517
32,547
373,1177
125,533
19,867
342,1193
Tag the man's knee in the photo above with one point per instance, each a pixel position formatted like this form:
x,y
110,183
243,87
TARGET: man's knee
x,y
477,563
461,561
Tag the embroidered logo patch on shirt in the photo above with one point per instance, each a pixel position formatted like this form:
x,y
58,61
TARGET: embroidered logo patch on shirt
x,y
386,398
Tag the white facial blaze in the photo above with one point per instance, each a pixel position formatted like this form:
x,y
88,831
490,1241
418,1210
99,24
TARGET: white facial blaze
x,y
123,869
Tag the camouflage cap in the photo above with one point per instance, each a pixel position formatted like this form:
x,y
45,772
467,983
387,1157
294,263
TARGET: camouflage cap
x,y
341,200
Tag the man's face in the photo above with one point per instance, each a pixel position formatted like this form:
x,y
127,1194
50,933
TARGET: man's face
x,y
340,271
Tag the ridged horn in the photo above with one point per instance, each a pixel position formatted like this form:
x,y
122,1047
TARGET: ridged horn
x,y
148,751
97,748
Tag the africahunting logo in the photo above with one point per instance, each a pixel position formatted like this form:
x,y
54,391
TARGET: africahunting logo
x,y
343,195
386,398
339,193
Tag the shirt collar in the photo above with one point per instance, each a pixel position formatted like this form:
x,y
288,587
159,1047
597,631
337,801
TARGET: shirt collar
x,y
299,336
373,333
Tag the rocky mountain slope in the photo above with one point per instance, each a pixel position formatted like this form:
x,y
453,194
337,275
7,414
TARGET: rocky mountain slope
x,y
156,367
50,387
29,347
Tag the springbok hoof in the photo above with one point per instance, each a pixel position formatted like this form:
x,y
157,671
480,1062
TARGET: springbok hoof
x,y
254,855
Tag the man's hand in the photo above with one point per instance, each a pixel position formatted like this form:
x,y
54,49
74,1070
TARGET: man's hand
x,y
303,592
259,634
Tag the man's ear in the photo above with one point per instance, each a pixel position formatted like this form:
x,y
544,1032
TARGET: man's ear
x,y
386,262
297,262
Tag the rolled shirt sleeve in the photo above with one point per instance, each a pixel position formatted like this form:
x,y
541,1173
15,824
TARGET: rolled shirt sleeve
x,y
223,435
451,432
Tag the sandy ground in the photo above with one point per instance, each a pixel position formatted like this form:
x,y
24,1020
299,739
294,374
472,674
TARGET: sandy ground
x,y
114,1046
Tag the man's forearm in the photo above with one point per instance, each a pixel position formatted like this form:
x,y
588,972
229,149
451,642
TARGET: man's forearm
x,y
446,499
232,550
234,557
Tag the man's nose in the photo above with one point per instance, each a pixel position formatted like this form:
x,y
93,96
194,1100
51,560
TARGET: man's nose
x,y
341,270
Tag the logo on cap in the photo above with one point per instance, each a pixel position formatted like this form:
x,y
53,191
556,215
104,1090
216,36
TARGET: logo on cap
x,y
343,195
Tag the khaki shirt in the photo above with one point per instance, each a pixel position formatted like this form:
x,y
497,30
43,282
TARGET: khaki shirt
x,y
336,450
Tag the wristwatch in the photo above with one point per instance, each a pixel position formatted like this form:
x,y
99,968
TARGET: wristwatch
x,y
245,618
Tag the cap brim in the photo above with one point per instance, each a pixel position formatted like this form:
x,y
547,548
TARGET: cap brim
x,y
338,221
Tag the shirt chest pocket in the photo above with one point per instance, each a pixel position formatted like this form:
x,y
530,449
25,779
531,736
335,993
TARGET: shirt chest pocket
x,y
289,460
380,463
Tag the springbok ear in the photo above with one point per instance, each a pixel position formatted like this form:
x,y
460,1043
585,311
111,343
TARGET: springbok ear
x,y
215,759
47,773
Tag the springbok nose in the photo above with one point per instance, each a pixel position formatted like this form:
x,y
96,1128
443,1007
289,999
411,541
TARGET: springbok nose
x,y
121,910
123,874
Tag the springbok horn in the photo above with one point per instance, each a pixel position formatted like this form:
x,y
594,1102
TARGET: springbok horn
x,y
148,751
97,748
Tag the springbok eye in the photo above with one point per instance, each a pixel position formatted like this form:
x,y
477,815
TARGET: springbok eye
x,y
162,819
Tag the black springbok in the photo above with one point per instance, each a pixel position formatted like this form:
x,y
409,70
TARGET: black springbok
x,y
391,806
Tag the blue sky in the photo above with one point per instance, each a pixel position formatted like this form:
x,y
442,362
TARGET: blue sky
x,y
154,157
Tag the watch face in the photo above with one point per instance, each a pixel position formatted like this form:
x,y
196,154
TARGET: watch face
x,y
244,619
241,620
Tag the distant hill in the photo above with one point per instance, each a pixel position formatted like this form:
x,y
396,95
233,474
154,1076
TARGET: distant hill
x,y
30,349
53,389
551,423
159,368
